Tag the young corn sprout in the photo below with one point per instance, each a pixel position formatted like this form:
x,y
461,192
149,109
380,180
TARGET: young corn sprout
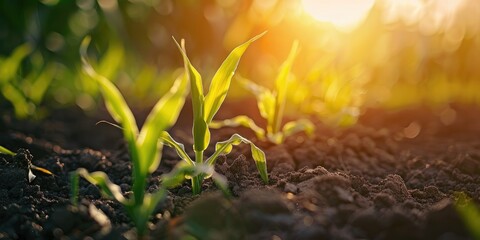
x,y
144,147
271,105
338,96
204,109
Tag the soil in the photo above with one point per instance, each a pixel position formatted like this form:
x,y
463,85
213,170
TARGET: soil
x,y
394,175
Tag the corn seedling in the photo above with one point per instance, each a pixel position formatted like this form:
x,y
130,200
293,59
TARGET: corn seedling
x,y
338,95
204,109
144,145
271,105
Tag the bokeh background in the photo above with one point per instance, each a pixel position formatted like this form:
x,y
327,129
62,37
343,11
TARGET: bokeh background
x,y
354,54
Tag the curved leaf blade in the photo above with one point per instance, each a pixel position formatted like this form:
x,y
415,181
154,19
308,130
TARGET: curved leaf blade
x,y
16,97
12,63
179,148
222,79
163,115
237,121
114,100
101,180
6,151
281,87
265,101
258,155
178,175
300,125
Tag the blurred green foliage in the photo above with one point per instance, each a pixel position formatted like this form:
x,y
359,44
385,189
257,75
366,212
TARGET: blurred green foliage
x,y
401,53
469,212
271,104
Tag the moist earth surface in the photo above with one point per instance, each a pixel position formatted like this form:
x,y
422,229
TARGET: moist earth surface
x,y
394,175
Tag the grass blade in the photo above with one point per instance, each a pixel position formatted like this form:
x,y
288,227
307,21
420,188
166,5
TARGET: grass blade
x,y
222,78
258,155
281,87
241,120
162,117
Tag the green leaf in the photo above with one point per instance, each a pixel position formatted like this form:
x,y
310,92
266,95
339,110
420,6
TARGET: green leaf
x,y
163,115
177,176
241,120
470,214
112,60
101,179
140,214
183,171
20,103
201,135
114,100
293,127
265,100
222,78
6,151
281,87
10,65
179,148
347,116
41,83
258,155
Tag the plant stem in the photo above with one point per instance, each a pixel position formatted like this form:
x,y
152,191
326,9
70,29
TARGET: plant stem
x,y
199,156
139,184
141,231
196,185
197,180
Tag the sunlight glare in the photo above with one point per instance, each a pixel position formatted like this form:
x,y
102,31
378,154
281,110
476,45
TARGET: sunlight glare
x,y
343,14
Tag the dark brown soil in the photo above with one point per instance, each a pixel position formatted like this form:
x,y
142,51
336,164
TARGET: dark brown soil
x,y
392,176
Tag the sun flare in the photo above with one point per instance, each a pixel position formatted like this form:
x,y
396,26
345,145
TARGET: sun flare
x,y
343,14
